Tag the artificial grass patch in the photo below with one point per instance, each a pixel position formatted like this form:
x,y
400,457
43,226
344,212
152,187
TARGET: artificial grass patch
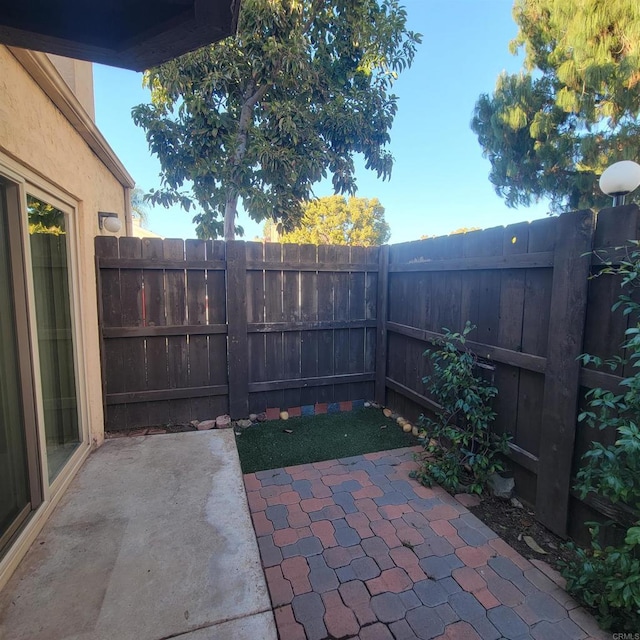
x,y
315,438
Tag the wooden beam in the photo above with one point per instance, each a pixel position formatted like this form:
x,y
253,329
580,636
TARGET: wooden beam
x,y
173,330
167,394
302,383
289,265
592,379
574,239
486,351
312,325
510,261
150,263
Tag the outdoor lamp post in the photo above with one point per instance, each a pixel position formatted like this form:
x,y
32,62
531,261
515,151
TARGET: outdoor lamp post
x,y
620,179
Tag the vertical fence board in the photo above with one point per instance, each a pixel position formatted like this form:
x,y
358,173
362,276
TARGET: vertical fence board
x,y
255,313
308,312
273,313
566,331
237,337
291,350
325,312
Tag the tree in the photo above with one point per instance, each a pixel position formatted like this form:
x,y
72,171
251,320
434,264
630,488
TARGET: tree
x,y
551,130
334,220
139,206
261,117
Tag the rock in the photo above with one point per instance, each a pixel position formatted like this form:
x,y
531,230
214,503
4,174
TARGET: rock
x,y
253,417
195,423
206,424
407,427
261,417
415,431
516,503
223,422
154,431
284,415
501,487
387,413
375,405
243,424
400,420
367,405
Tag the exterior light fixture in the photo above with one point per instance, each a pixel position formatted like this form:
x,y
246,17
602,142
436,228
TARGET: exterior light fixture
x,y
109,221
620,179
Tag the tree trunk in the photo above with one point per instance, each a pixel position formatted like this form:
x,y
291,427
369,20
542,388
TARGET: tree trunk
x,y
230,212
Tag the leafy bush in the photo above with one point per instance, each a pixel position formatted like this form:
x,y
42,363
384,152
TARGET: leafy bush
x,y
462,451
608,578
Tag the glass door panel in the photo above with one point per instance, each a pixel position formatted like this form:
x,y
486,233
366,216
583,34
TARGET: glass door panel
x,y
15,491
48,239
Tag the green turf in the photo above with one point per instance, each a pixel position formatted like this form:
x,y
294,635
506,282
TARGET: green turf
x,y
315,438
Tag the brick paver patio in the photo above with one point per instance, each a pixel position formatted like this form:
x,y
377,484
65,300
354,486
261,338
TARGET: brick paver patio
x,y
354,548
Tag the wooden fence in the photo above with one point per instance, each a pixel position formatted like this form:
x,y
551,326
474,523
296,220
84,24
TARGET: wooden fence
x,y
193,329
527,289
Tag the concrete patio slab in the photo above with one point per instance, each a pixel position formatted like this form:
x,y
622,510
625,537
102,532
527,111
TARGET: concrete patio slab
x,y
152,540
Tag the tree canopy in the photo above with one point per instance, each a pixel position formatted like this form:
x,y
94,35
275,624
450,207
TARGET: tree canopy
x,y
551,130
260,117
336,220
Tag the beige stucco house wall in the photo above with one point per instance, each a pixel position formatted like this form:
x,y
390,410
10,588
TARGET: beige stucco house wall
x,y
49,143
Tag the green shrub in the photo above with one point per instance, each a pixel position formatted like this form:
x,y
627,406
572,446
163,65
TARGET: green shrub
x,y
608,578
462,451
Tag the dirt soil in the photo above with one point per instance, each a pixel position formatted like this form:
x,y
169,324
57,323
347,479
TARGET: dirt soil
x,y
512,524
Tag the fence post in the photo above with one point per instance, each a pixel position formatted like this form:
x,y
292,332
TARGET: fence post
x,y
237,342
381,332
572,260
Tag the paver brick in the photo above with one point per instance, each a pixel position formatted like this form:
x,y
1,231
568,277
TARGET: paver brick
x,y
538,579
297,517
461,631
438,567
368,492
426,624
376,631
288,628
360,523
385,530
443,528
309,610
337,557
339,620
345,500
410,599
256,501
324,531
394,580
309,546
283,537
505,568
278,515
507,622
347,537
303,488
251,483
407,535
279,588
364,568
545,607
446,613
377,549
321,577
401,630
388,607
430,593
296,571
391,498
261,524
309,505
330,512
356,596
485,629
486,598
407,559
503,590
466,606
269,553
572,630
588,624
478,556
469,579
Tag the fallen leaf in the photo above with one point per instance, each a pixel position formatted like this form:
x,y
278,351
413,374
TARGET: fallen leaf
x,y
384,426
287,431
532,544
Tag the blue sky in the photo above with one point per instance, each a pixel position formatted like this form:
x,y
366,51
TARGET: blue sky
x,y
440,179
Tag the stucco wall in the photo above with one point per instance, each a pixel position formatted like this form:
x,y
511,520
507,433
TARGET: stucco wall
x,y
38,137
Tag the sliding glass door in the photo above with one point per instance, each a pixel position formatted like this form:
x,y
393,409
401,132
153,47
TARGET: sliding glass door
x,y
49,259
19,478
